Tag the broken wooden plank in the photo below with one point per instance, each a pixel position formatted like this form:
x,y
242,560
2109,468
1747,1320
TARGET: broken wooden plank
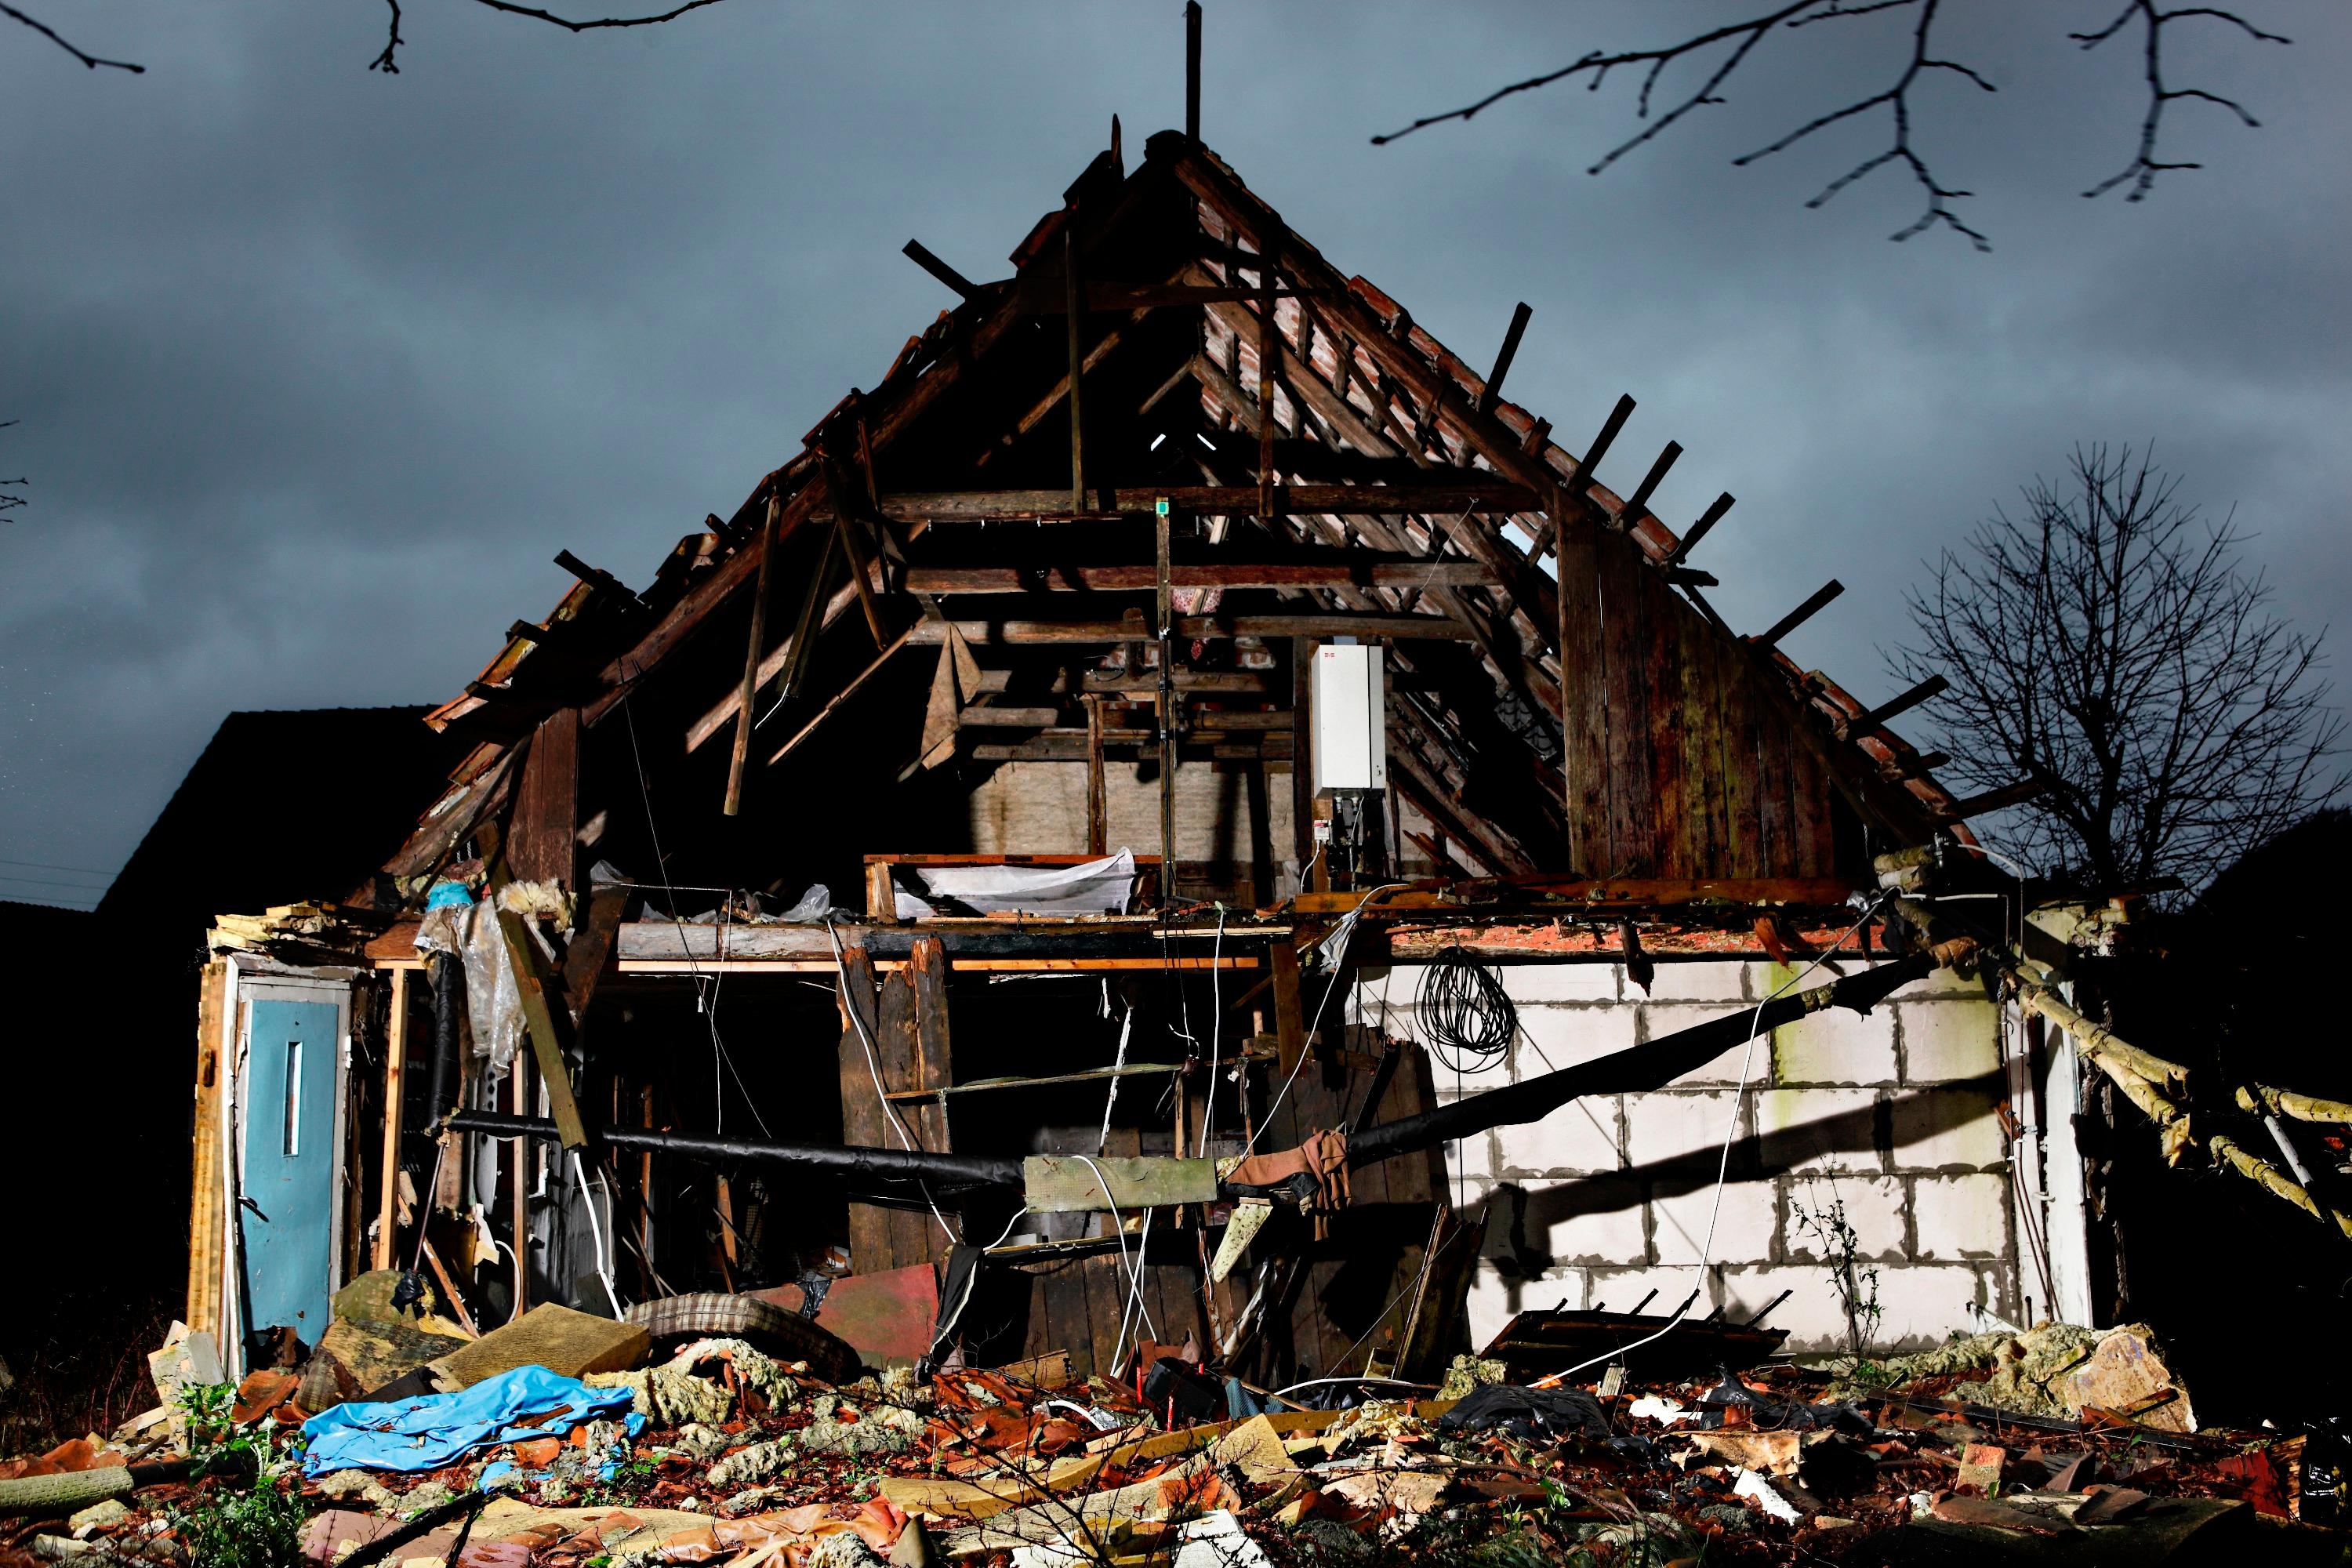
x,y
749,688
538,1021
1061,1184
1801,614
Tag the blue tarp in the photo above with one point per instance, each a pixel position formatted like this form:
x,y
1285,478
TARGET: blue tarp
x,y
436,1429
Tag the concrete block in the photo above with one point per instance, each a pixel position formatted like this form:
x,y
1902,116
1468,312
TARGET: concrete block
x,y
1580,1136
569,1344
1743,1228
1590,1220
1661,1020
1944,983
1671,1123
1471,1158
1962,1216
1925,1304
1584,981
1874,1208
1497,1298
1835,1045
1700,980
1944,1129
1955,1038
1814,1130
1554,1035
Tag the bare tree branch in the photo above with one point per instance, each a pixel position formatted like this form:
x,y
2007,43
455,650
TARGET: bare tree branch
x,y
1741,38
388,61
2142,171
2109,646
10,501
90,60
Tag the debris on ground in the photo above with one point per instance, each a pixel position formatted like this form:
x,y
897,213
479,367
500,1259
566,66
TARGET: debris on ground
x,y
1989,1449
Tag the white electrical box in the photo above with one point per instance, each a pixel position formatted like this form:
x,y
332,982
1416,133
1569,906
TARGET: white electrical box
x,y
1349,709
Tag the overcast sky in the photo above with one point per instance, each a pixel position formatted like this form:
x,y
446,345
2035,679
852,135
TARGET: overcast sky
x,y
317,368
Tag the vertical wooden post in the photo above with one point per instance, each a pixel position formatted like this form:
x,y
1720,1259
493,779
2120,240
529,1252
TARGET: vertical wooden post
x,y
752,649
1075,301
207,1216
395,1074
1289,1018
646,1191
1193,69
1302,751
1163,530
864,1118
1098,795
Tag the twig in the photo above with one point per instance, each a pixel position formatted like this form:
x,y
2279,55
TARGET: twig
x,y
388,63
2142,171
89,60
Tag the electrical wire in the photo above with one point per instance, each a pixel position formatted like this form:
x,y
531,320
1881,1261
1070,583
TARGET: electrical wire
x,y
596,1232
1216,1031
1462,1012
1125,1028
1723,1163
1339,967
1134,1272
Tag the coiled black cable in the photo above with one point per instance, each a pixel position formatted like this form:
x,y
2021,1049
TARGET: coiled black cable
x,y
1462,1013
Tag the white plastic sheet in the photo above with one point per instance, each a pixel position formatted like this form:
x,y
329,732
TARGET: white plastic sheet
x,y
1094,888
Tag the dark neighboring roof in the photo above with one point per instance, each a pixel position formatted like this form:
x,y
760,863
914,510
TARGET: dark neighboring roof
x,y
280,806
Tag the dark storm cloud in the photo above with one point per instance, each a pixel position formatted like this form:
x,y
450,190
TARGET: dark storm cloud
x,y
318,368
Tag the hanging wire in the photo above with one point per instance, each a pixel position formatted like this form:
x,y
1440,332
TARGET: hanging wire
x,y
1462,1012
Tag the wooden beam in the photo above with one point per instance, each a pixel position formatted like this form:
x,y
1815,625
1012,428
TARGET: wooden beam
x,y
538,1021
1269,345
1629,514
1302,738
1057,577
542,835
1801,614
842,696
1601,444
1876,718
988,718
1327,625
753,648
395,1072
1055,1183
1097,799
1509,351
1994,800
806,626
1381,500
1634,893
594,577
1699,530
916,251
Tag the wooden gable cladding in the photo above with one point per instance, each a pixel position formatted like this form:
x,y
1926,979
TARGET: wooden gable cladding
x,y
1681,759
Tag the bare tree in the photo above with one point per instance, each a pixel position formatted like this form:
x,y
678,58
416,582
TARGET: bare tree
x,y
2109,646
388,59
1716,54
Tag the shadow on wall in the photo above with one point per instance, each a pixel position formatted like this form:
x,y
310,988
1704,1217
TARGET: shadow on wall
x,y
1524,1217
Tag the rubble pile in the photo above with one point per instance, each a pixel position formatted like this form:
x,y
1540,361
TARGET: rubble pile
x,y
716,1451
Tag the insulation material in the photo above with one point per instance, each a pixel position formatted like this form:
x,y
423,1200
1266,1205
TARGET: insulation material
x,y
1096,887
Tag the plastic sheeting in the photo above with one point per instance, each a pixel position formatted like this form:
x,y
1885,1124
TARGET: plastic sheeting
x,y
406,1436
1095,887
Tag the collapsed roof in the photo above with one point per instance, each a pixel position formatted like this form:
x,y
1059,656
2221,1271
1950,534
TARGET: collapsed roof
x,y
1327,469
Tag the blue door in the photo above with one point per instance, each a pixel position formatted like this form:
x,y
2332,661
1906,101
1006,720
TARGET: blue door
x,y
289,1182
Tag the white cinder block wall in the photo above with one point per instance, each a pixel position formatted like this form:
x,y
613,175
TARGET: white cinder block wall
x,y
1607,1198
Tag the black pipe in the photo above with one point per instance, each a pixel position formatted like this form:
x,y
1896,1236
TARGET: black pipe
x,y
1634,1071
890,1164
448,987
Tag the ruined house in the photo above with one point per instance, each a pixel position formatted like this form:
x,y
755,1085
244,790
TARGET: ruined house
x,y
1153,724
